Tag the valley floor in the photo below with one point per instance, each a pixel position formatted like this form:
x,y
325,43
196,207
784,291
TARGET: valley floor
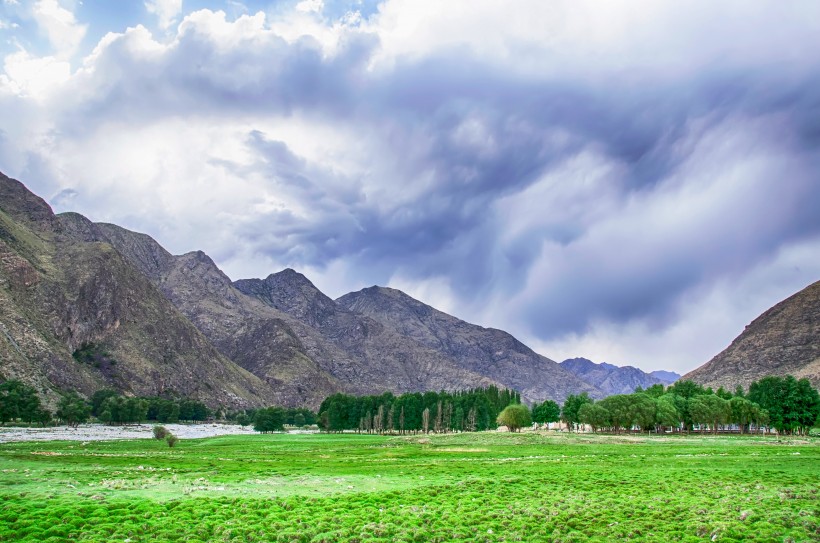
x,y
467,487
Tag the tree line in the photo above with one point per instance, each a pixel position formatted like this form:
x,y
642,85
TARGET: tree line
x,y
274,419
20,403
469,410
786,404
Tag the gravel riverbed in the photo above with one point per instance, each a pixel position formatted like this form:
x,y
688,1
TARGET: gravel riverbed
x,y
101,432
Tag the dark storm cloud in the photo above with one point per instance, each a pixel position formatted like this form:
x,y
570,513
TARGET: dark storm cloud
x,y
645,128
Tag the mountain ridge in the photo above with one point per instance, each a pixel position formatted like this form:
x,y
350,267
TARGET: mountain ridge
x,y
613,379
488,351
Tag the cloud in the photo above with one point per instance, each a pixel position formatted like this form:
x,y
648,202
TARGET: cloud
x,y
167,11
60,26
308,6
587,177
35,77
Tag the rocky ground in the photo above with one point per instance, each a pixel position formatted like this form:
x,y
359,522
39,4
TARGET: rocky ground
x,y
99,432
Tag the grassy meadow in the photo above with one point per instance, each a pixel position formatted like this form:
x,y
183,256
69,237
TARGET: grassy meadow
x,y
466,487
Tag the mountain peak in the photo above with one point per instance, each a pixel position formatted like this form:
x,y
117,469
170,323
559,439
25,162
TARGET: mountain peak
x,y
289,275
23,205
291,292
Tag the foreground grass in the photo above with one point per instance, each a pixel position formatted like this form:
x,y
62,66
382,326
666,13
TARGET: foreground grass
x,y
469,487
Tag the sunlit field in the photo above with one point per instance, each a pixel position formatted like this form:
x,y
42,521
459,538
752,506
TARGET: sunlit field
x,y
467,487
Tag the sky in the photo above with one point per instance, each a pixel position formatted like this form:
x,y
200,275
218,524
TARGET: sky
x,y
629,181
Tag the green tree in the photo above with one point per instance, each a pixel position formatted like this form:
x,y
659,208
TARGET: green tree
x,y
595,415
569,412
723,393
792,405
620,411
710,409
18,401
742,412
656,391
686,389
514,417
73,410
98,398
242,419
168,411
271,419
193,410
549,411
643,410
666,413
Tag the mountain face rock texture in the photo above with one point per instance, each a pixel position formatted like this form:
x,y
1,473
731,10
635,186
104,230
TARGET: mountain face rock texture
x,y
62,292
377,358
487,351
785,340
616,380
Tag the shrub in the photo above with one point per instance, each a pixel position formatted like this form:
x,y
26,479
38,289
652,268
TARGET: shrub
x,y
161,432
171,439
515,416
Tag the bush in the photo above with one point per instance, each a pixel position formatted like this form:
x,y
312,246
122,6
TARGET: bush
x,y
514,417
171,439
161,432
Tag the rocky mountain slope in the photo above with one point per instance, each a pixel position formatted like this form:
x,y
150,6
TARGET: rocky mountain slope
x,y
613,379
381,358
486,351
62,293
286,332
785,340
256,337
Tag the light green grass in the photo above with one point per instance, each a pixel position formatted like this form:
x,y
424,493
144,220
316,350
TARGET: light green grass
x,y
468,487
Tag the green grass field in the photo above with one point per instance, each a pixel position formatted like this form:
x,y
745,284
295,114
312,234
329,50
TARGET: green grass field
x,y
468,487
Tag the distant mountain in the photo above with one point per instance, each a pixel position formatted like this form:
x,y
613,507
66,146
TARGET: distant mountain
x,y
785,340
616,380
486,351
62,293
667,377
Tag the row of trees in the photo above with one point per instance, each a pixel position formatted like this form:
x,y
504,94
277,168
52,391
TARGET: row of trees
x,y
112,408
783,403
274,419
786,404
20,403
469,410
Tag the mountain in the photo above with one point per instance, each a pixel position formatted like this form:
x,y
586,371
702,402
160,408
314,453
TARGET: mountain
x,y
666,377
380,358
785,340
286,331
616,380
256,337
63,294
486,351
